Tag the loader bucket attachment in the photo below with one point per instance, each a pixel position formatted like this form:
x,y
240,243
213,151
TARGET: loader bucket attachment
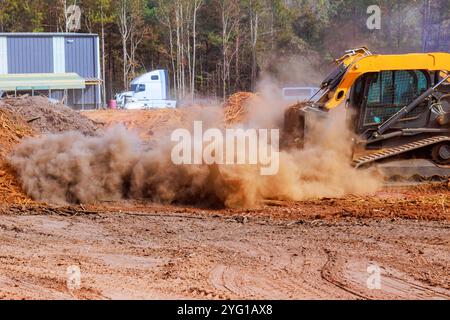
x,y
294,128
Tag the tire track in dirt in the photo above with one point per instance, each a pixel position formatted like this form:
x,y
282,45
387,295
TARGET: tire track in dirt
x,y
329,273
282,276
133,256
264,274
36,283
351,276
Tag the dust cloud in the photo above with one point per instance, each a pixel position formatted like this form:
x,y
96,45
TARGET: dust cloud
x,y
71,167
74,168
321,169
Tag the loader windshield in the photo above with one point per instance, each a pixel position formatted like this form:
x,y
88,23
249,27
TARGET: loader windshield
x,y
389,91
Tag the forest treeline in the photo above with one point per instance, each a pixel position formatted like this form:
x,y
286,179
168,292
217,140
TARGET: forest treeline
x,y
216,47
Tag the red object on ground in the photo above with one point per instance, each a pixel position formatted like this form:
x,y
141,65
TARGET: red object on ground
x,y
112,104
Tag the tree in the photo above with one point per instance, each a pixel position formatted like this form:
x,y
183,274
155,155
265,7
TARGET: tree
x,y
124,24
132,29
165,16
217,47
254,9
230,19
179,17
97,14
196,7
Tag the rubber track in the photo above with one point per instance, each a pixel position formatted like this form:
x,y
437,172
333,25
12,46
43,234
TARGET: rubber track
x,y
387,153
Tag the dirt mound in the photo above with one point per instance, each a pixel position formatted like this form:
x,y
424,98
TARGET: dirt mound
x,y
145,122
12,129
154,124
46,117
28,116
235,107
151,124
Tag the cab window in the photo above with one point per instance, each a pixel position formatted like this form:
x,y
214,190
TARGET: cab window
x,y
138,88
389,91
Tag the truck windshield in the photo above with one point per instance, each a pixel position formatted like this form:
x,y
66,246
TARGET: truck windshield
x,y
138,87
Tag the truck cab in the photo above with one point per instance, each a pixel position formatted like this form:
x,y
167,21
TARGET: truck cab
x,y
150,90
299,94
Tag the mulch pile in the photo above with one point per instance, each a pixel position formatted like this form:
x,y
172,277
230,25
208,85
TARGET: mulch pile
x,y
235,107
27,116
12,129
47,117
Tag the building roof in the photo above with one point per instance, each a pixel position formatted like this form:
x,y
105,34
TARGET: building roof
x,y
41,81
92,80
46,34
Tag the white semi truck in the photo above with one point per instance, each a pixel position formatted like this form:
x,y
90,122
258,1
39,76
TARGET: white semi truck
x,y
299,94
150,90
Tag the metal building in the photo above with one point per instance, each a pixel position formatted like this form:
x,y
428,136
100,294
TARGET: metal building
x,y
64,66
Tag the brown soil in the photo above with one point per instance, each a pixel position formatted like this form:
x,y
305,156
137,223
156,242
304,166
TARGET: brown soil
x,y
316,249
149,122
312,250
145,122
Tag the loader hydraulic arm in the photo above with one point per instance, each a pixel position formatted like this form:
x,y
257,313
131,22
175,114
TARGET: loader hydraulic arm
x,y
378,63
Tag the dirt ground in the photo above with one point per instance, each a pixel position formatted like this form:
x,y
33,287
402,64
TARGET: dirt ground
x,y
309,250
318,249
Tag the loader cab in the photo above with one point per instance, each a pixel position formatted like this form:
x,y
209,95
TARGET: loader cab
x,y
375,97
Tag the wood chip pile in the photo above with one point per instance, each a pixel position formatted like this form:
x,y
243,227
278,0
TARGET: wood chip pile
x,y
27,116
12,129
47,117
235,107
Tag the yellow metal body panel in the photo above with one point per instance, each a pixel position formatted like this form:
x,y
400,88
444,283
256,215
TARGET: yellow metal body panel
x,y
359,65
